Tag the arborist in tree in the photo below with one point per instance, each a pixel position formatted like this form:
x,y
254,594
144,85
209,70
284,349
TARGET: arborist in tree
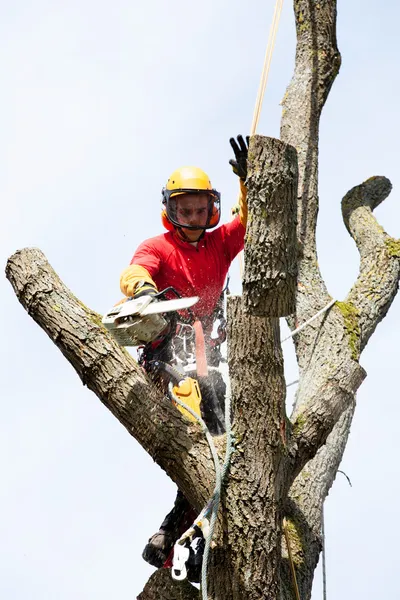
x,y
195,262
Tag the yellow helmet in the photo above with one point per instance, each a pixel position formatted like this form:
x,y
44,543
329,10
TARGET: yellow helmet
x,y
189,180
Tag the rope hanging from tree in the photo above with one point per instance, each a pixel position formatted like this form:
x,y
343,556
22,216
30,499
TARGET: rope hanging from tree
x,y
267,64
263,83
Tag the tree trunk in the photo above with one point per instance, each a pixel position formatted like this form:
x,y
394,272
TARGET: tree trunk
x,y
252,507
270,275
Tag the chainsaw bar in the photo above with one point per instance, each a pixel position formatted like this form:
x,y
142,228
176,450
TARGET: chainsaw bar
x,y
141,320
169,305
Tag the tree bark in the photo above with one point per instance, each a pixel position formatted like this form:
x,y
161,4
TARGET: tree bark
x,y
270,274
251,505
317,65
162,583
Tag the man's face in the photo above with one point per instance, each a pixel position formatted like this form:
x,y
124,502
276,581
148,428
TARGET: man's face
x,y
192,209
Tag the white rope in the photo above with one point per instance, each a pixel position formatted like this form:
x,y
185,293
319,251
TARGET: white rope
x,y
319,313
213,503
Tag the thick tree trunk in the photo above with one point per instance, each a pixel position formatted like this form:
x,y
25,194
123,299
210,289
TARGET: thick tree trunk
x,y
247,566
270,274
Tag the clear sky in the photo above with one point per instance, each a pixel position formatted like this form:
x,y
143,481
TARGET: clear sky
x,y
100,102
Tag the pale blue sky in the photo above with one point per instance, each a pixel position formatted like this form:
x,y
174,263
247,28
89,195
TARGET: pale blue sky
x,y
100,103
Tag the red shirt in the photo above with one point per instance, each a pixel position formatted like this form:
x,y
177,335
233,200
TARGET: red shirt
x,y
193,271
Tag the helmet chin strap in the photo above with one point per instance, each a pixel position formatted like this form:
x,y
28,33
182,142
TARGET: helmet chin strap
x,y
184,237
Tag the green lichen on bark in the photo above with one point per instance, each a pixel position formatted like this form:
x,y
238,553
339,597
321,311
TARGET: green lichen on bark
x,y
95,318
295,541
352,326
393,247
298,424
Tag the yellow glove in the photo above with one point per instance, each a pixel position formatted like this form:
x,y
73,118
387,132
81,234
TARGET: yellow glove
x,y
134,277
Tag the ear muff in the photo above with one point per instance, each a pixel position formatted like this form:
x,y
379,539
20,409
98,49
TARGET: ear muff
x,y
165,221
215,215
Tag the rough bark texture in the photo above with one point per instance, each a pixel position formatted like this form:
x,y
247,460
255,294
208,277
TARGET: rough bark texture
x,y
281,466
252,502
162,583
317,64
373,292
270,274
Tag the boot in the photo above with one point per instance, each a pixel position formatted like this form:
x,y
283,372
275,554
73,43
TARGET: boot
x,y
158,548
175,523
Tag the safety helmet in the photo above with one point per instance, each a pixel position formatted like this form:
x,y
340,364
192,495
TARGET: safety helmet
x,y
189,180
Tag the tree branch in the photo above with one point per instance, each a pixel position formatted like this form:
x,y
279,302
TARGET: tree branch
x,y
306,498
375,289
112,374
317,64
161,586
327,386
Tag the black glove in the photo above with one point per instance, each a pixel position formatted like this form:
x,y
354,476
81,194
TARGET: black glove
x,y
240,149
145,289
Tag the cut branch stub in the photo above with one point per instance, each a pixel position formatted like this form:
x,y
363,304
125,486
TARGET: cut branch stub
x,y
270,276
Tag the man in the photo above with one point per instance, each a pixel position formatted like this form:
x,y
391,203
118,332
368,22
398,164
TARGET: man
x,y
194,261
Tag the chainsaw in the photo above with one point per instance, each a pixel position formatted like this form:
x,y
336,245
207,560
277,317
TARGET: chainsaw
x,y
143,320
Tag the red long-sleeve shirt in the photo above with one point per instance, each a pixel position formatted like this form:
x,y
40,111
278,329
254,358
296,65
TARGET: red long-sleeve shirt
x,y
193,271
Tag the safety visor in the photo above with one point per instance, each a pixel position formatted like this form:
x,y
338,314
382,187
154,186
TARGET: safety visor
x,y
192,208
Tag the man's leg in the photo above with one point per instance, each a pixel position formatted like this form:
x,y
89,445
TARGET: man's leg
x,y
213,402
175,523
